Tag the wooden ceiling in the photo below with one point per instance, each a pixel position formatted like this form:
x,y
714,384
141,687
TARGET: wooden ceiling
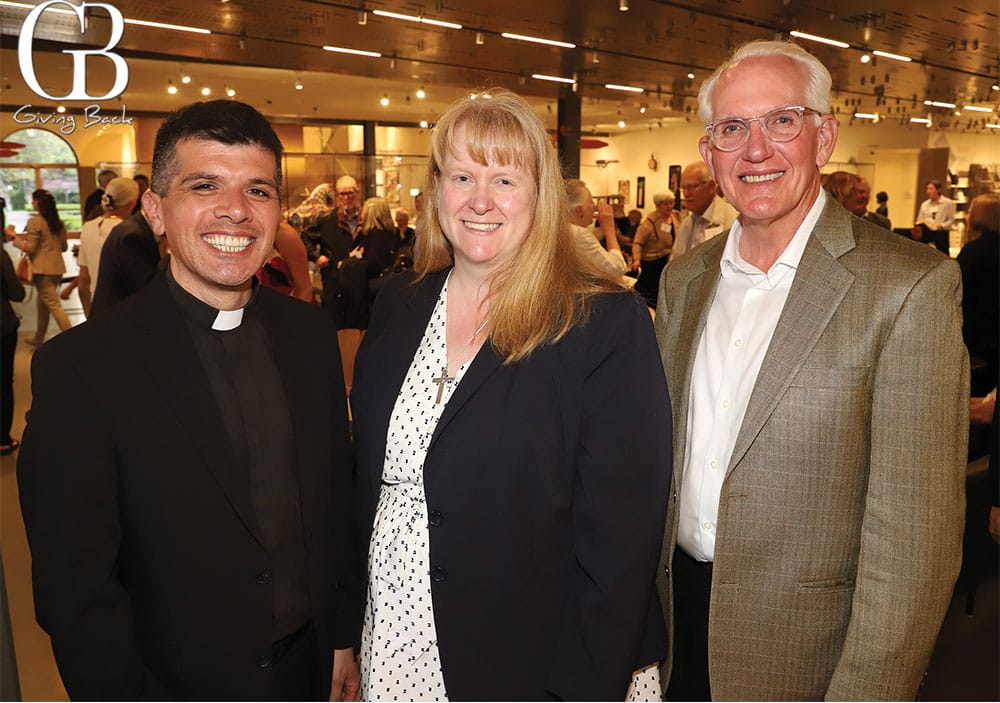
x,y
261,48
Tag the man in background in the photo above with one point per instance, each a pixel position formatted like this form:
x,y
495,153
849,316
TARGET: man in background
x,y
92,205
935,218
861,195
709,214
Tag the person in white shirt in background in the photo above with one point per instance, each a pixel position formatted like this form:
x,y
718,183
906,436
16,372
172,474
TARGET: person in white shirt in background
x,y
935,218
709,214
120,196
582,211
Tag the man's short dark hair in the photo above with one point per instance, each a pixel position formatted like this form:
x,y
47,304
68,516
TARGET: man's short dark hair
x,y
938,185
224,121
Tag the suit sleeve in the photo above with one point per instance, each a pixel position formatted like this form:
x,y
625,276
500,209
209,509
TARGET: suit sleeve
x,y
911,539
67,481
619,504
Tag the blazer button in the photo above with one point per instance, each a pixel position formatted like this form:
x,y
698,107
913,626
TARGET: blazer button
x,y
439,574
264,663
436,518
264,577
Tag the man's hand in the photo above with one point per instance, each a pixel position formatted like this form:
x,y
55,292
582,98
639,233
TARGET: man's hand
x,y
322,260
345,684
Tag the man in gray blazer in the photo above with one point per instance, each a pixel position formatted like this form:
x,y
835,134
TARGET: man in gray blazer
x,y
814,532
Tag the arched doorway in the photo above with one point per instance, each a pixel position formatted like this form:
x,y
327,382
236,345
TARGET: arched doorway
x,y
45,160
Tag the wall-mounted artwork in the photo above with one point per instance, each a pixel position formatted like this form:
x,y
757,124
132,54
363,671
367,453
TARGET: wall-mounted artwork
x,y
640,192
623,188
675,183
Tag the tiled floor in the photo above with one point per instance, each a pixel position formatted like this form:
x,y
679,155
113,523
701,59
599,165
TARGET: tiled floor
x,y
964,667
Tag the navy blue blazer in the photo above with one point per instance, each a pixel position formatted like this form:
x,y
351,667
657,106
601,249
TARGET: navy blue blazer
x,y
546,484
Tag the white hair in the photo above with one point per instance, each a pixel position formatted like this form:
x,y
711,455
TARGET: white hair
x,y
818,77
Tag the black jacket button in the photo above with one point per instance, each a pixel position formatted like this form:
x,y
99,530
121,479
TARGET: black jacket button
x,y
264,663
436,518
264,577
439,574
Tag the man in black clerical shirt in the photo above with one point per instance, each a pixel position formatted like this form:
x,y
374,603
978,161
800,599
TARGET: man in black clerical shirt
x,y
191,534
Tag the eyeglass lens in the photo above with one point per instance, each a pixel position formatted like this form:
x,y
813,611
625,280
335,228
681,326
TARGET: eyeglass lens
x,y
781,125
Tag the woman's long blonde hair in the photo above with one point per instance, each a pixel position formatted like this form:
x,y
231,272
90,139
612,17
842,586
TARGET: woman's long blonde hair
x,y
375,214
542,291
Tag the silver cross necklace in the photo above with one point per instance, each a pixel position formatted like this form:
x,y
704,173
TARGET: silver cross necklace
x,y
444,377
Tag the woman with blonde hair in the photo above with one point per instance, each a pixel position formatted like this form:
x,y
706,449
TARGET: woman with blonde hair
x,y
44,240
379,237
512,513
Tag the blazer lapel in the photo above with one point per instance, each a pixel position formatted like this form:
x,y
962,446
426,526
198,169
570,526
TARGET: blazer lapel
x,y
176,370
395,361
698,299
820,284
482,367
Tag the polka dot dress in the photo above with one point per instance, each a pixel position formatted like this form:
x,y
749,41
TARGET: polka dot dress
x,y
399,652
645,685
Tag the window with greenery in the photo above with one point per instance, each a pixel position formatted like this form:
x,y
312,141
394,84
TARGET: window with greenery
x,y
45,161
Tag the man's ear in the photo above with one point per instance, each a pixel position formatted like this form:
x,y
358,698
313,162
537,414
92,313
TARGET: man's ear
x,y
706,154
152,208
826,139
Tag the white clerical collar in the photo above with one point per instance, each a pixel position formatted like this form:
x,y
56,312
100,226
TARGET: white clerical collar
x,y
227,320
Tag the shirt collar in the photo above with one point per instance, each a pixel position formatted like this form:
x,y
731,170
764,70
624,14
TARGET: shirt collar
x,y
732,262
204,315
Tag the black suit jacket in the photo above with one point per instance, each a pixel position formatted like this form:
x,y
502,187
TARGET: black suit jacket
x,y
546,483
130,258
148,571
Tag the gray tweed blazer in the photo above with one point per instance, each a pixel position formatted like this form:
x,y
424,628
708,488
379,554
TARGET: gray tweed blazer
x,y
840,523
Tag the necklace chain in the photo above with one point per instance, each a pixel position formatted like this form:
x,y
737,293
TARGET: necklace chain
x,y
476,333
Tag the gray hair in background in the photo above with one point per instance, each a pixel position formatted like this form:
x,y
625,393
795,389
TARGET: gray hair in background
x,y
666,196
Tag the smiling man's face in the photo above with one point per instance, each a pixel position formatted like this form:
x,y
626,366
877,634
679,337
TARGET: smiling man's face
x,y
220,214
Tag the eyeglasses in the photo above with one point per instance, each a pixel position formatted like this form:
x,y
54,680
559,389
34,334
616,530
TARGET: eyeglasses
x,y
780,125
346,193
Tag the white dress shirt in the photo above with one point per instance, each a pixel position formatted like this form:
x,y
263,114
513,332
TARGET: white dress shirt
x,y
939,215
695,229
738,330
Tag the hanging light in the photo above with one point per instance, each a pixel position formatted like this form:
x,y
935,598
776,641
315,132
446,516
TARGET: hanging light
x,y
206,91
230,92
171,88
420,93
623,5
384,102
298,83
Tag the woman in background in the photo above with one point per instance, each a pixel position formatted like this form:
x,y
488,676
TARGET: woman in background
x,y
380,240
512,541
44,241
